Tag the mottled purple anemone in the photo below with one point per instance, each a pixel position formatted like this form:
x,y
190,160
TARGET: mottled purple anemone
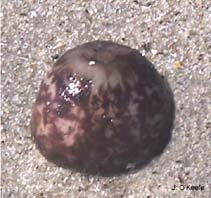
x,y
102,109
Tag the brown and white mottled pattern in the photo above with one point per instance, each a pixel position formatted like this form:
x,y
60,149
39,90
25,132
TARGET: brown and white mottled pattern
x,y
102,109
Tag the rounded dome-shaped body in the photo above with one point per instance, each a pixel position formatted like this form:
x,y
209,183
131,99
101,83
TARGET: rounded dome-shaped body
x,y
102,109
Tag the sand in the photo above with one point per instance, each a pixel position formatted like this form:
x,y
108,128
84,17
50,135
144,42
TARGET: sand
x,y
174,35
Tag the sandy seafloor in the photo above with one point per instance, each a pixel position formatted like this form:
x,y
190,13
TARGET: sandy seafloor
x,y
175,35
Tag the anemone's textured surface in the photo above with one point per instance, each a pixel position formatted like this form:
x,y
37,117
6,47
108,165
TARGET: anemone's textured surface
x,y
102,109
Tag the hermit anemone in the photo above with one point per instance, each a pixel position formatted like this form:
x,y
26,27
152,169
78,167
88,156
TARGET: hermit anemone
x,y
102,109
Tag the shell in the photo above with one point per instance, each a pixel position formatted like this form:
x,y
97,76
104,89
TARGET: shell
x,y
102,109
